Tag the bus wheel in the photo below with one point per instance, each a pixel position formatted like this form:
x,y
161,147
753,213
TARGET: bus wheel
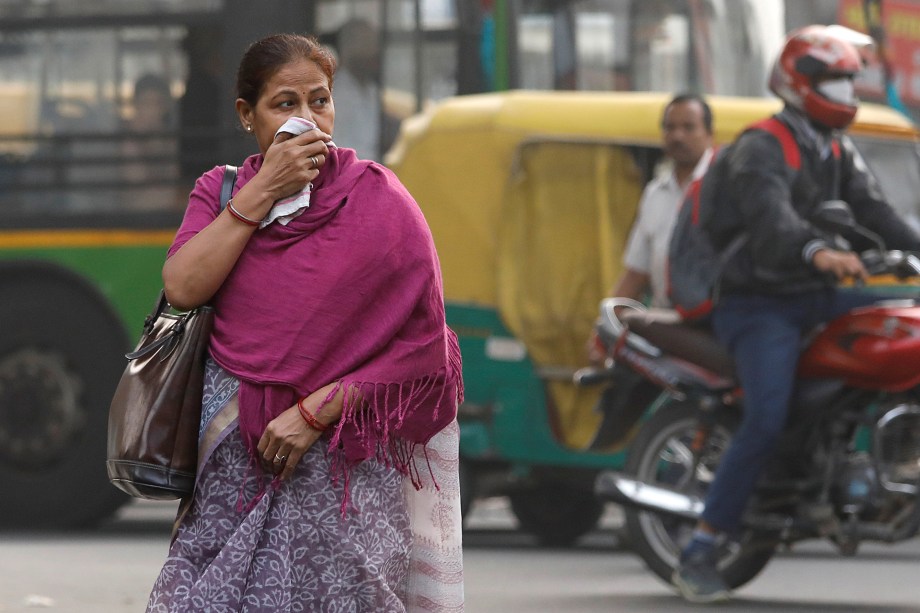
x,y
61,354
556,515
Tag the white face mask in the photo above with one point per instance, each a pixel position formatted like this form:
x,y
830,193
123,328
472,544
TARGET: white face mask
x,y
838,90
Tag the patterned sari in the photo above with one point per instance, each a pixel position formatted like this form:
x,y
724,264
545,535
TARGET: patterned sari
x,y
398,549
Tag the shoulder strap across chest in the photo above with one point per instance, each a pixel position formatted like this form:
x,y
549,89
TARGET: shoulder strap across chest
x,y
783,134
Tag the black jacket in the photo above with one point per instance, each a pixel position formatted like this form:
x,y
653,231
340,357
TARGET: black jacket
x,y
759,194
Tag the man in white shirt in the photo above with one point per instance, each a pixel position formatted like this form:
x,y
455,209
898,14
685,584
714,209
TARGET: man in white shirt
x,y
687,141
686,126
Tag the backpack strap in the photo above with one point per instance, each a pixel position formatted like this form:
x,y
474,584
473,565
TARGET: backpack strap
x,y
781,132
791,153
226,186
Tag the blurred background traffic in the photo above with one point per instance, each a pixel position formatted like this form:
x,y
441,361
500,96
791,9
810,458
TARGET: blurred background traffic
x,y
111,108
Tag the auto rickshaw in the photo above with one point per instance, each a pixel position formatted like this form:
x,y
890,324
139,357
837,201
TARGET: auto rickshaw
x,y
530,197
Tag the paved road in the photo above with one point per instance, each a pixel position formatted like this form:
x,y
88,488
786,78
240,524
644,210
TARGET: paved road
x,y
111,570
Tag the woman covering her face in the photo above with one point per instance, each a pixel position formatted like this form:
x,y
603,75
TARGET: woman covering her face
x,y
329,443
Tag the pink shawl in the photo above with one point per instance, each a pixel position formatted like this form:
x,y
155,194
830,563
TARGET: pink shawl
x,y
347,292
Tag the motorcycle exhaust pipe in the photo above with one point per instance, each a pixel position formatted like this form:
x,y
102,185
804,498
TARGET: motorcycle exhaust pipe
x,y
615,487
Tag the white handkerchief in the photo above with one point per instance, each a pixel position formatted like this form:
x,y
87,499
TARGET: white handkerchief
x,y
286,209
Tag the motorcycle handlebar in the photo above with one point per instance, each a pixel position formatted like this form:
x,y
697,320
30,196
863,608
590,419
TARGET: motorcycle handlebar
x,y
910,266
901,264
610,327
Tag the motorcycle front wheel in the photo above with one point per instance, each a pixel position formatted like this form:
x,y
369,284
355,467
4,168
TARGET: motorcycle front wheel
x,y
661,454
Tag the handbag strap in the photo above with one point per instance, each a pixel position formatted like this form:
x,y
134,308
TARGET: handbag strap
x,y
226,191
226,186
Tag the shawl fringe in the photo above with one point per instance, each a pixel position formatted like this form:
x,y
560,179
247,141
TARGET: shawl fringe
x,y
368,411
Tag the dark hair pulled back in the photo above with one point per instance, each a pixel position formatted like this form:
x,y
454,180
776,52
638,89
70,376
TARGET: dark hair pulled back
x,y
265,57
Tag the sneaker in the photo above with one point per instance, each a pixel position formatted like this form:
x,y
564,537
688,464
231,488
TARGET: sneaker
x,y
699,580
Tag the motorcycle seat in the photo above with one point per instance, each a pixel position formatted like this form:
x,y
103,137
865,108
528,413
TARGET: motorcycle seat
x,y
694,343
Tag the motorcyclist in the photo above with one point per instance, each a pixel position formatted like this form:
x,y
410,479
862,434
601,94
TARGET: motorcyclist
x,y
783,282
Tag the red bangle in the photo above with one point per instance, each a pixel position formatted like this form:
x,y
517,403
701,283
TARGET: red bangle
x,y
309,417
236,214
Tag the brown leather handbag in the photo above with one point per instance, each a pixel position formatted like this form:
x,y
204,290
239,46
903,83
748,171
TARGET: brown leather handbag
x,y
156,410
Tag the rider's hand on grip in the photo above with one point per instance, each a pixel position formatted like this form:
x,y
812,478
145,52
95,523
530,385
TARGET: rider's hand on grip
x,y
841,264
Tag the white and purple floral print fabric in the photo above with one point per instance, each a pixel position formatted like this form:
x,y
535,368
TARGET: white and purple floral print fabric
x,y
396,550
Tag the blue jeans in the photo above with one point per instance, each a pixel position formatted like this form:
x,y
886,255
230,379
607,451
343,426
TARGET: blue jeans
x,y
764,334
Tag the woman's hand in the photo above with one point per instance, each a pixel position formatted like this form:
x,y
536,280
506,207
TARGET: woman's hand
x,y
288,437
285,440
291,162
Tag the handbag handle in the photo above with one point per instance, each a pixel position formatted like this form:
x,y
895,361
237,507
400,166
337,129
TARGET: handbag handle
x,y
170,340
151,319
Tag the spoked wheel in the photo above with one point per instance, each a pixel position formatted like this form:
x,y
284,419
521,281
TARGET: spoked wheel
x,y
661,454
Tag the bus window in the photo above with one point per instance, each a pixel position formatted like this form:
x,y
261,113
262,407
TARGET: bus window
x,y
604,45
676,45
393,60
535,46
656,45
74,144
203,93
603,50
664,45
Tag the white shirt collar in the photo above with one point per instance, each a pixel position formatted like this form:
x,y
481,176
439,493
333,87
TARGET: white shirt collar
x,y
698,171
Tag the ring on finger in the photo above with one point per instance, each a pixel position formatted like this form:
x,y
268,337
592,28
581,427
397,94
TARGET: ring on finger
x,y
280,458
314,160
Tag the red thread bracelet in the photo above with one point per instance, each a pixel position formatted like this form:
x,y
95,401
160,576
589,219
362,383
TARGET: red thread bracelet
x,y
309,417
237,215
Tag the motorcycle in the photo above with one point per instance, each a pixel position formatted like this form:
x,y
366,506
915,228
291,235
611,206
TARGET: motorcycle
x,y
848,464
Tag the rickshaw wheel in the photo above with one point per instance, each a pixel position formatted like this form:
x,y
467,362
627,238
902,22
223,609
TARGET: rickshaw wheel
x,y
555,514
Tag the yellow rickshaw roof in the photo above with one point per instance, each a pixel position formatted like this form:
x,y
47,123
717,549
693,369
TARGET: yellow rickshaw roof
x,y
626,117
459,159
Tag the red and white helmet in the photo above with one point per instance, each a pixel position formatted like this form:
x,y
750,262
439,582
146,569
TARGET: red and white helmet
x,y
818,52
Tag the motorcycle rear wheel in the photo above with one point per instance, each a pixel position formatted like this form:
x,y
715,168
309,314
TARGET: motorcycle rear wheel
x,y
661,454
